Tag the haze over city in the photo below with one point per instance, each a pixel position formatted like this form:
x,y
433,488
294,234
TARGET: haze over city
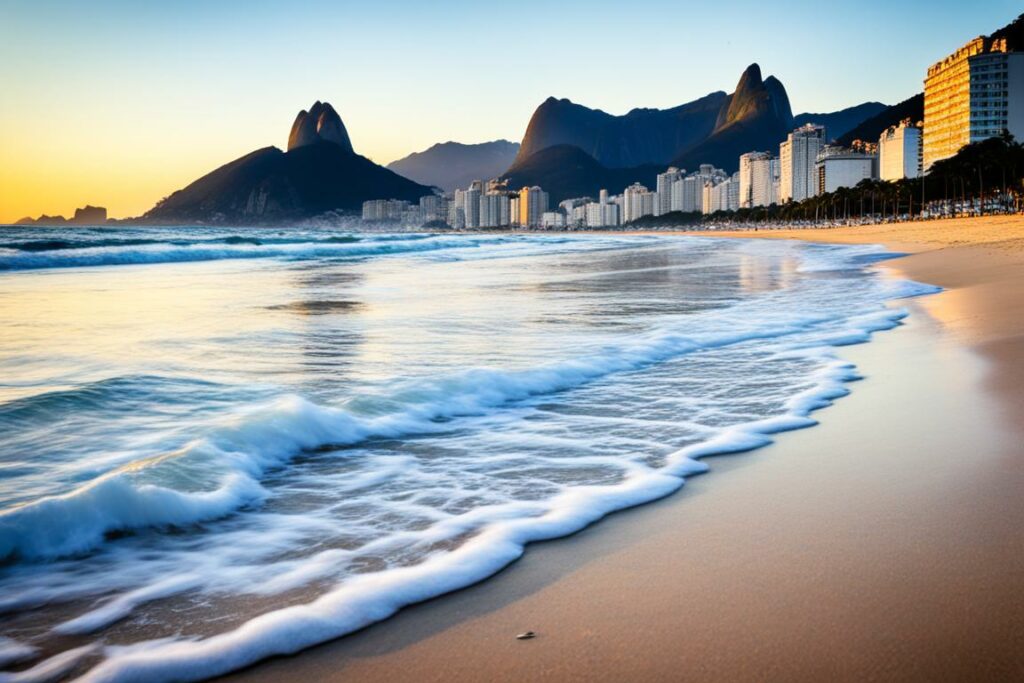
x,y
123,104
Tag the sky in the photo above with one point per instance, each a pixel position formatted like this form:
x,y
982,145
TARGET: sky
x,y
118,103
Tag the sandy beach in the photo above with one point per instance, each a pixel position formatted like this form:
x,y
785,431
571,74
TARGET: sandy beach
x,y
887,543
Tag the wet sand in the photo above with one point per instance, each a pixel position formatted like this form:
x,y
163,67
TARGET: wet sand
x,y
887,543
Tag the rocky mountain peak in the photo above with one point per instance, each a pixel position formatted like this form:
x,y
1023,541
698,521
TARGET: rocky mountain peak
x,y
755,98
320,123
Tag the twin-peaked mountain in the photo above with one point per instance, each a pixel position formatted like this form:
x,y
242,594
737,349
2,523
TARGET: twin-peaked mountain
x,y
715,129
320,123
319,172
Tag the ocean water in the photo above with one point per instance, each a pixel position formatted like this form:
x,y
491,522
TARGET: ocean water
x,y
220,445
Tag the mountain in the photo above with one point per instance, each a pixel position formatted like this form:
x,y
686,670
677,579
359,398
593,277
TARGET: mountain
x,y
319,172
757,116
871,129
87,215
643,136
596,149
451,165
566,171
839,123
321,122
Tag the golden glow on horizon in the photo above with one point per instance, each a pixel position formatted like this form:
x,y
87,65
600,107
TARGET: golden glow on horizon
x,y
127,166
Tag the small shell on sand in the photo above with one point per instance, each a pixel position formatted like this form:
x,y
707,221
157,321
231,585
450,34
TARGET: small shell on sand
x,y
526,635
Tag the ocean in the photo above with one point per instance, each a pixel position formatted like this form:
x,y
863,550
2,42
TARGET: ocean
x,y
221,444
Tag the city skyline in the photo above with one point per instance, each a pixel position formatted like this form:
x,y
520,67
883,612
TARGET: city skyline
x,y
128,104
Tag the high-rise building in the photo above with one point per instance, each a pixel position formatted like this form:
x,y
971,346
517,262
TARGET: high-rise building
x,y
552,219
839,167
533,202
637,202
494,210
899,152
602,213
664,189
797,156
433,208
759,180
754,170
386,210
973,94
471,206
687,194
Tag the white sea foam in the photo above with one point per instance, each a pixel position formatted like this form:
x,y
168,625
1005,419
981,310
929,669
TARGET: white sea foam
x,y
12,259
369,598
239,451
444,480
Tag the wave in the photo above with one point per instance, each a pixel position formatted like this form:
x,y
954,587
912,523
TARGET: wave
x,y
161,492
129,252
222,472
59,245
368,598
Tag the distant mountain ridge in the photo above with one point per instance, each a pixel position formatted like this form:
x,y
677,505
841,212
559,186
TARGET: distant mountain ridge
x,y
871,129
715,129
320,172
642,136
839,123
566,171
451,165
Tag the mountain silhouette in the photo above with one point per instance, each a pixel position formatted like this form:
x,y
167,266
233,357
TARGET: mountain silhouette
x,y
643,136
451,165
319,172
566,171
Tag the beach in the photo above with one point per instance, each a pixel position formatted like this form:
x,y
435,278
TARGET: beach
x,y
886,543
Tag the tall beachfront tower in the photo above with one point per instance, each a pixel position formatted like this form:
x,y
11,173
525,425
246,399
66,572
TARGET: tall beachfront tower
x,y
759,180
899,152
797,157
973,94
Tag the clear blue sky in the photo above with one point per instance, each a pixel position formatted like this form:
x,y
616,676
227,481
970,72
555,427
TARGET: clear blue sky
x,y
149,95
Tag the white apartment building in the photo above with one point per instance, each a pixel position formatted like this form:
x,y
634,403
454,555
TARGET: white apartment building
x,y
687,194
757,178
838,167
602,213
385,209
569,206
637,202
552,219
664,189
899,152
433,208
495,210
471,207
797,158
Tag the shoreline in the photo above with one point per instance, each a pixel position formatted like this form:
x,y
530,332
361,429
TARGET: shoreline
x,y
897,557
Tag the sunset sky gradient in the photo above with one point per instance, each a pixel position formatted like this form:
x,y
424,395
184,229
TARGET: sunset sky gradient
x,y
119,103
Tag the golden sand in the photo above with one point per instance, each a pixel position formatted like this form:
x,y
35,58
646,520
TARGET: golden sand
x,y
885,544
